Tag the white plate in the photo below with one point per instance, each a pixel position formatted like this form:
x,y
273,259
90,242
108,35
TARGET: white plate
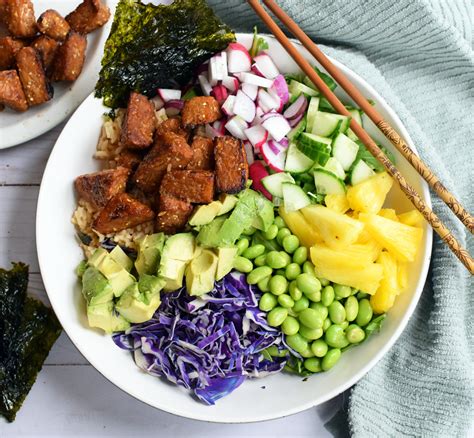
x,y
255,400
16,128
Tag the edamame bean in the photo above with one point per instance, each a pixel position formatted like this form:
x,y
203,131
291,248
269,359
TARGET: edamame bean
x,y
280,272
337,313
365,313
267,302
282,233
327,295
290,326
271,233
286,301
324,281
295,293
242,264
315,297
327,323
311,318
297,342
308,284
275,260
290,244
361,295
321,309
307,353
249,231
286,257
352,308
335,336
341,291
301,304
263,284
319,347
273,351
242,245
344,324
310,333
313,364
308,268
278,285
276,316
355,334
258,274
292,271
354,291
300,255
260,260
253,251
331,358
279,222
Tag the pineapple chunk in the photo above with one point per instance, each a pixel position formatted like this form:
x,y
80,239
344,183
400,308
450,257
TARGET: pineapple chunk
x,y
298,225
400,239
385,296
389,213
337,229
369,195
413,218
336,266
363,253
337,203
402,276
382,301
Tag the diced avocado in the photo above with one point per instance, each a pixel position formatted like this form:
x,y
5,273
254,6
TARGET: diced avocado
x,y
81,268
201,273
172,272
95,287
209,234
265,213
179,247
150,248
204,214
104,317
228,202
118,277
139,302
226,261
121,258
97,257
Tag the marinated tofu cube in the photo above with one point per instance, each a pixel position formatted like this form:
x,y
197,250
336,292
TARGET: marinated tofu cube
x,y
99,187
46,48
128,159
173,124
20,18
88,16
36,85
70,57
173,214
203,153
200,110
9,47
139,123
195,186
3,11
51,23
11,91
232,168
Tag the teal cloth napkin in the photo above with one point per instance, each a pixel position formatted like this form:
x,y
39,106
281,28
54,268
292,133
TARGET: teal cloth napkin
x,y
418,55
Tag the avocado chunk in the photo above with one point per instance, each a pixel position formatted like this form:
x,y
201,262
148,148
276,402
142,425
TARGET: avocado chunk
x,y
118,255
228,202
179,247
201,273
96,258
103,316
204,214
208,236
139,302
225,262
150,248
119,278
172,272
95,287
265,213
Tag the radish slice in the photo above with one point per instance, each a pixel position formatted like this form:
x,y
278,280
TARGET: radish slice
x,y
250,78
217,69
275,157
235,127
257,135
212,132
231,83
268,102
167,94
257,172
259,113
218,125
205,85
244,106
266,66
228,106
280,87
297,108
220,93
256,71
238,58
284,142
277,127
293,122
271,113
249,152
250,90
277,99
157,102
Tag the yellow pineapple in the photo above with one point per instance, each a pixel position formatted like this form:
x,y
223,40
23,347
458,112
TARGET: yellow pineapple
x,y
362,253
369,195
337,230
413,218
337,202
402,276
307,234
400,239
389,213
381,301
385,296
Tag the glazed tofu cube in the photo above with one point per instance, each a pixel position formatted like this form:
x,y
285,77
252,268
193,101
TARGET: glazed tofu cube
x,y
203,153
9,47
195,186
20,18
70,57
173,214
51,23
200,110
46,48
232,168
88,16
11,91
128,159
173,124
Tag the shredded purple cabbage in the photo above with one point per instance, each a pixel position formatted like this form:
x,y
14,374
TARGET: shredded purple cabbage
x,y
209,344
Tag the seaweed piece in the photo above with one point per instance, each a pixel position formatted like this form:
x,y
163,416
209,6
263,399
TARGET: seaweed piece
x,y
152,47
29,330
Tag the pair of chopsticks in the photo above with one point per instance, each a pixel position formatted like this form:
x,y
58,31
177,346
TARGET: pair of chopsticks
x,y
390,133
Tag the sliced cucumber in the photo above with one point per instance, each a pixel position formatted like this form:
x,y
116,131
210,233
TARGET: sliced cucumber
x,y
294,198
296,88
325,124
324,76
311,112
344,150
296,161
315,147
361,172
297,130
334,166
356,114
327,183
273,183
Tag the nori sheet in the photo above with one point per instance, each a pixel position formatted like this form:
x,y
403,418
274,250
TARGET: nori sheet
x,y
28,331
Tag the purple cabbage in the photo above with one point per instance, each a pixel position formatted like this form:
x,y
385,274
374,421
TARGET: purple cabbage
x,y
208,344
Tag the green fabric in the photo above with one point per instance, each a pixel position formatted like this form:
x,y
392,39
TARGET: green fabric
x,y
418,55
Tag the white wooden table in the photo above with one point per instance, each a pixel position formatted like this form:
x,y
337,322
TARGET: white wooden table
x,y
69,397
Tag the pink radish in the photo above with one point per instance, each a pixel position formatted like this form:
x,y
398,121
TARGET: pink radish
x,y
280,87
293,122
256,71
297,108
257,135
277,127
219,92
228,106
259,113
250,90
217,69
218,125
250,78
205,85
274,156
167,94
211,132
249,152
268,102
266,66
231,83
284,142
236,128
238,58
244,106
257,172
157,102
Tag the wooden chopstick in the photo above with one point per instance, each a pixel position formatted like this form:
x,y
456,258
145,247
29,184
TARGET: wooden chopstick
x,y
364,137
389,132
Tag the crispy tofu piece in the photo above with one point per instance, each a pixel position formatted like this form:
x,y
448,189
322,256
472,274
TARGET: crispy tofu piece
x,y
51,23
46,48
36,85
173,124
11,91
200,110
139,123
20,18
9,47
121,212
173,214
195,186
69,60
203,154
99,187
232,169
171,151
88,16
128,159
3,11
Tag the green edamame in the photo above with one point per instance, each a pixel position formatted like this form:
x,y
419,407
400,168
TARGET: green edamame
x,y
327,295
286,257
321,309
308,284
319,347
365,313
253,251
273,351
327,323
279,222
280,272
290,244
271,233
276,316
267,302
263,284
331,358
355,334
282,233
275,260
311,318
300,255
352,308
344,324
295,293
341,291
335,337
242,245
361,295
301,304
315,297
297,342
286,301
242,264
292,271
307,352
249,231
310,333
308,268
260,260
258,274
324,281
313,364
278,285
290,326
337,313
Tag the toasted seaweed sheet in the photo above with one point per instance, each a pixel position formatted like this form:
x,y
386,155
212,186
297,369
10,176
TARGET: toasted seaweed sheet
x,y
152,47
28,330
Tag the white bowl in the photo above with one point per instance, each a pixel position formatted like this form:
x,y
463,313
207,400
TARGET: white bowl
x,y
255,400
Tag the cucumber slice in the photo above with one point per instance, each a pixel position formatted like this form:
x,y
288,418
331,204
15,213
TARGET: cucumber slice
x,y
296,88
327,183
297,130
296,161
334,166
356,114
361,172
273,183
344,150
315,147
294,198
311,113
329,81
325,124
